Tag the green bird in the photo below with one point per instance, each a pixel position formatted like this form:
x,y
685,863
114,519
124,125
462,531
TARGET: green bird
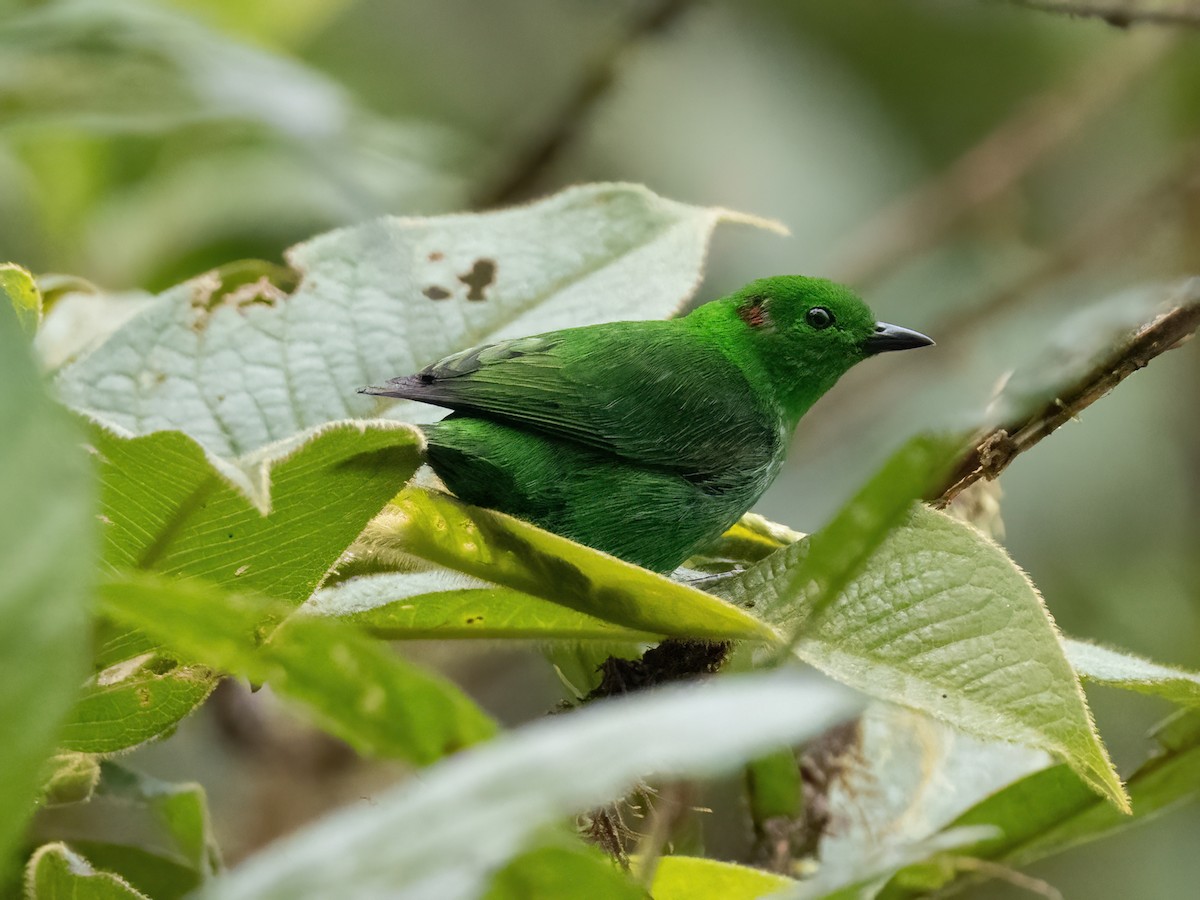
x,y
645,439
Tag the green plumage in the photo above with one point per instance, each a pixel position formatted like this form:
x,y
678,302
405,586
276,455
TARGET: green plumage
x,y
645,439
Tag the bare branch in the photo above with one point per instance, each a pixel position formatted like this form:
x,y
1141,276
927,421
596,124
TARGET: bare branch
x,y
1106,234
1121,15
546,149
920,219
999,446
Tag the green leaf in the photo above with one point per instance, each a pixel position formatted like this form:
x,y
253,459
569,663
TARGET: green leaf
x,y
274,521
153,834
509,553
69,778
361,691
56,872
693,878
493,799
565,867
751,539
420,605
773,787
47,556
1053,810
942,621
140,67
133,702
240,370
1116,668
18,286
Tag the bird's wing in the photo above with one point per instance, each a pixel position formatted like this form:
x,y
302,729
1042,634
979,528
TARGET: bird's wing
x,y
649,392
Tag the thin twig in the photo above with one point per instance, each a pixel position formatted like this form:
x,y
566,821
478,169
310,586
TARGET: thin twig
x,y
988,869
1119,231
1121,15
546,149
995,450
922,218
1103,235
666,804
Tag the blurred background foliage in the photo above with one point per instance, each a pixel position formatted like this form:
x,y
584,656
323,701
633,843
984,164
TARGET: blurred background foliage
x,y
979,170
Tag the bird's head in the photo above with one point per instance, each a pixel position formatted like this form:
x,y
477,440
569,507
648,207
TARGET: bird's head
x,y
808,332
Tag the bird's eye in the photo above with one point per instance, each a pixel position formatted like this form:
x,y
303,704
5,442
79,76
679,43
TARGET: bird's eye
x,y
819,317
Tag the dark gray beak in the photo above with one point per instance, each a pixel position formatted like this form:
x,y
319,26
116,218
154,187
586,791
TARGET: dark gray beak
x,y
893,337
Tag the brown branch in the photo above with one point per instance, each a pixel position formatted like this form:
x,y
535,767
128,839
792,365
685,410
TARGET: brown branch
x,y
1121,15
548,147
995,450
919,220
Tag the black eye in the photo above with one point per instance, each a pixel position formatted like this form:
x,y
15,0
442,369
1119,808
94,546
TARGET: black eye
x,y
819,317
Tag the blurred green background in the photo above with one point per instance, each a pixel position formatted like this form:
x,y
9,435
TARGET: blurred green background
x,y
979,171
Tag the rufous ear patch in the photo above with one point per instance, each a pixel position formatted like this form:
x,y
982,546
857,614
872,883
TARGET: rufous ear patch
x,y
754,312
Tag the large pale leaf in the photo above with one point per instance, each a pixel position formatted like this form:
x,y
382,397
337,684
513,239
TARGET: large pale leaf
x,y
238,370
47,556
410,842
273,521
942,621
835,554
1052,810
352,685
893,778
507,552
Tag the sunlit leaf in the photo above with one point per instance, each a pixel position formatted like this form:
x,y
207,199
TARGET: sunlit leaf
x,y
18,288
47,555
507,552
693,878
417,605
359,691
273,521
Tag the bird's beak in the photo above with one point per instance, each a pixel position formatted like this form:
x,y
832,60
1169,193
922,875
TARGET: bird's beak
x,y
893,337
